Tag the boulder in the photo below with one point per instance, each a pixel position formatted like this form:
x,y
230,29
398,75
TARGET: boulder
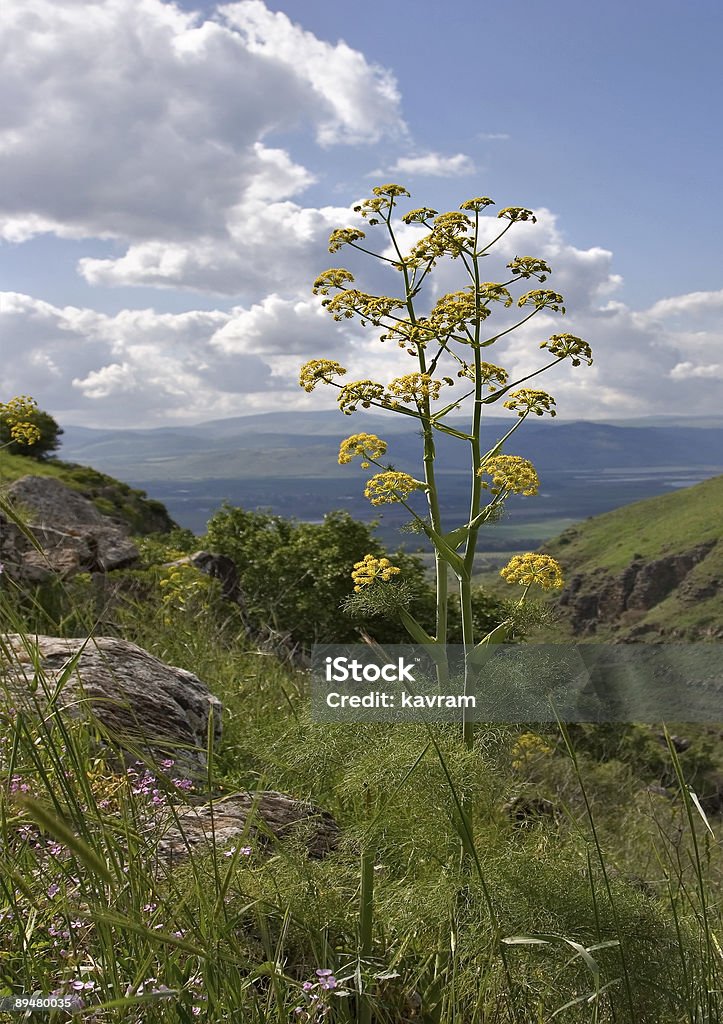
x,y
71,535
147,707
261,817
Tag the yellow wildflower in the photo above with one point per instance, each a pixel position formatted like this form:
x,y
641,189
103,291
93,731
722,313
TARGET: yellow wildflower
x,y
516,213
478,203
390,486
319,369
530,266
364,391
17,413
335,277
509,473
543,298
533,568
414,387
371,569
564,345
528,748
529,400
25,433
344,236
369,446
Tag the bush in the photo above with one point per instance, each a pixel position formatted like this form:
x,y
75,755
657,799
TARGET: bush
x,y
296,576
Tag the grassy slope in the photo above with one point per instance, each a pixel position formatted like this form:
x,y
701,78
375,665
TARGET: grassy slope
x,y
652,529
110,496
671,524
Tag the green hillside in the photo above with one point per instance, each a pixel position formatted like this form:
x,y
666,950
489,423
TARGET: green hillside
x,y
111,497
662,536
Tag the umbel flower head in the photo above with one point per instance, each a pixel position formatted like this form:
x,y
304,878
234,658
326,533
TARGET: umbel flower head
x,y
369,446
319,369
532,568
529,400
16,413
390,486
371,570
509,473
569,346
491,375
415,387
360,391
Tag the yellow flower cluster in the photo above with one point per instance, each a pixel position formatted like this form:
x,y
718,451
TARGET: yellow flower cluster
x,y
476,204
516,213
543,298
532,568
448,236
344,236
319,369
420,216
371,569
530,266
454,309
564,345
509,473
386,488
16,415
414,387
490,374
384,196
364,391
492,290
411,336
350,301
25,433
529,400
335,277
528,748
369,446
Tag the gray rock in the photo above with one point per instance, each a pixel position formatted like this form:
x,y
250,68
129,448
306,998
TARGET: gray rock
x,y
161,711
71,535
260,817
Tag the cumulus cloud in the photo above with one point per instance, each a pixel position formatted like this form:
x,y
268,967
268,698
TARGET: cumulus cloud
x,y
141,122
140,367
431,165
170,134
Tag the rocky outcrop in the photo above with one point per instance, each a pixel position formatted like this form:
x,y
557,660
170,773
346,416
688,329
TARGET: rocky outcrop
x,y
599,598
146,707
70,534
261,817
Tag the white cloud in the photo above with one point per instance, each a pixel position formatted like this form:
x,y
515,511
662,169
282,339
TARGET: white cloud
x,y
433,165
131,119
140,367
363,98
688,371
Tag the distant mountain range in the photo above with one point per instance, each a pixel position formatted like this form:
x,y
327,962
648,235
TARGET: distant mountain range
x,y
287,462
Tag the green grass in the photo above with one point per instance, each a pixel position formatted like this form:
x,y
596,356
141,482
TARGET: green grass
x,y
670,524
612,906
436,908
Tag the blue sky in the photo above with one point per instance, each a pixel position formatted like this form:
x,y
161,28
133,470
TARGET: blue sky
x,y
169,176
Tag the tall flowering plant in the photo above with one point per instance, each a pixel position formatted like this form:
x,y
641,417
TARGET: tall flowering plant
x,y
446,339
